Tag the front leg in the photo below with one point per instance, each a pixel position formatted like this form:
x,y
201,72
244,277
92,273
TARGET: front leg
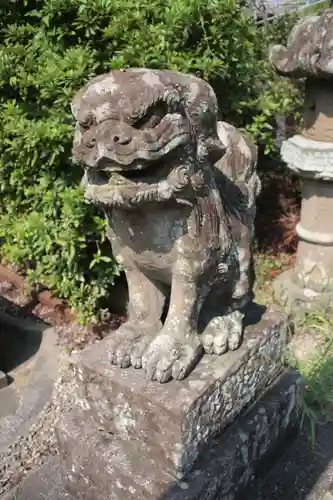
x,y
146,301
177,348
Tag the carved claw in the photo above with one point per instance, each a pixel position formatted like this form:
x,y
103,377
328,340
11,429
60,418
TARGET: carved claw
x,y
170,356
128,344
223,333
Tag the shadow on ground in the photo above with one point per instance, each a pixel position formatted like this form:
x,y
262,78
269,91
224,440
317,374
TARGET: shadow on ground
x,y
20,336
305,472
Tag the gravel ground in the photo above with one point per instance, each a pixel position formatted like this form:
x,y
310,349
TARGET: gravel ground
x,y
29,451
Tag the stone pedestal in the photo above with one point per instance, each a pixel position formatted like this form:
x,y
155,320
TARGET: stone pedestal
x,y
312,279
122,437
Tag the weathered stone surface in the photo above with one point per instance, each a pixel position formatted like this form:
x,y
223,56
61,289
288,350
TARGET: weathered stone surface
x,y
309,54
43,483
314,262
309,48
227,467
104,467
132,425
308,158
178,189
296,298
327,496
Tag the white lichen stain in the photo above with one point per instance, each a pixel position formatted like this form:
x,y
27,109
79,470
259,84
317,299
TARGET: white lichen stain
x,y
85,405
310,294
119,258
194,91
151,79
197,384
119,485
102,111
102,87
164,190
123,418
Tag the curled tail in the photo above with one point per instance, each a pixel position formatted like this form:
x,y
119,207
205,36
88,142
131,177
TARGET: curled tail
x,y
239,186
238,166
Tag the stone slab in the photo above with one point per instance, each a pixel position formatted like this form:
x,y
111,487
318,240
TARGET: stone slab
x,y
180,416
98,467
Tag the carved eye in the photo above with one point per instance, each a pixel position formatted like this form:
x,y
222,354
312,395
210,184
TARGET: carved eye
x,y
90,143
87,122
153,116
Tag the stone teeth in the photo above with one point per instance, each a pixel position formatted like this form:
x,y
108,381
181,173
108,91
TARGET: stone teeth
x,y
118,179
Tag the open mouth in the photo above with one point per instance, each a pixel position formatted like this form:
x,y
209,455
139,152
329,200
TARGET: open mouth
x,y
114,173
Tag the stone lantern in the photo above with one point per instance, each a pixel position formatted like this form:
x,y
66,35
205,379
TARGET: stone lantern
x,y
309,55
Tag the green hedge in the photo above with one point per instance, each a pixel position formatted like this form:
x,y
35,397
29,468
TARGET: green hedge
x,y
48,49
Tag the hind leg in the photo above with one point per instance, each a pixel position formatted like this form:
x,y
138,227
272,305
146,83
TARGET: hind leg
x,y
242,292
224,322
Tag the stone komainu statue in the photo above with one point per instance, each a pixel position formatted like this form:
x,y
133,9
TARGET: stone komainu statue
x,y
178,189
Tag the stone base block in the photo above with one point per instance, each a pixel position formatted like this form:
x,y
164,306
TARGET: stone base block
x,y
103,469
124,437
294,298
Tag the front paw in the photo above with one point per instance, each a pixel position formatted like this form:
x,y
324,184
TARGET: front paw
x,y
223,333
172,356
127,345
